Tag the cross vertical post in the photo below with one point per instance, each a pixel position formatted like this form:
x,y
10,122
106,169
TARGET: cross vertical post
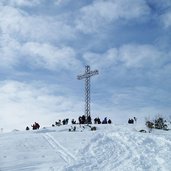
x,y
87,76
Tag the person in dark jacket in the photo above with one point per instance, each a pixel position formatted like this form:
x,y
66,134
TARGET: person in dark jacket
x,y
104,121
109,121
27,128
89,120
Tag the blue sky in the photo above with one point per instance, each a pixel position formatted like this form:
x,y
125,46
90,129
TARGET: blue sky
x,y
45,44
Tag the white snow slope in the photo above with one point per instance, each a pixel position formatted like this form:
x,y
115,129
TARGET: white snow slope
x,y
109,148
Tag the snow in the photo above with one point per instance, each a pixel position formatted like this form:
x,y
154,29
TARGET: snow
x,y
110,148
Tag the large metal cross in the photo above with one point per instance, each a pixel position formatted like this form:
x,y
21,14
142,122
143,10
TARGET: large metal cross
x,y
87,76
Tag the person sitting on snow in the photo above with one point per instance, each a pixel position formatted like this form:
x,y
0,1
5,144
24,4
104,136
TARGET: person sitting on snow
x,y
89,120
35,126
109,121
104,121
27,128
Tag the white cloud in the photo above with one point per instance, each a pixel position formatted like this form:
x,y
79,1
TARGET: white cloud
x,y
50,57
21,104
130,55
166,19
61,2
21,2
141,100
101,12
37,55
31,3
8,52
25,27
33,38
101,60
134,55
11,19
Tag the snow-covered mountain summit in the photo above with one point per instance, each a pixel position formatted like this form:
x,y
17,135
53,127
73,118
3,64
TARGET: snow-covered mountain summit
x,y
109,148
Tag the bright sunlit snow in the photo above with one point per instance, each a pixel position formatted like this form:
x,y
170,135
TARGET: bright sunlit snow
x,y
109,148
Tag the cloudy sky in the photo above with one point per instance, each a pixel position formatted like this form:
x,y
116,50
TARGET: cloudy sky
x,y
45,44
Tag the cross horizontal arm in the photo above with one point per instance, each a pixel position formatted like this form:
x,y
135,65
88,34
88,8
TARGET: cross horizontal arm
x,y
89,74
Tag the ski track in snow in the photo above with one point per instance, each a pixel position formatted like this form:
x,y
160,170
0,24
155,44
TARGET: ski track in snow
x,y
119,151
65,155
110,148
101,151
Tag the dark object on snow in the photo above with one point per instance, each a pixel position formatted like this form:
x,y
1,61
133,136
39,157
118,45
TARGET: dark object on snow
x,y
135,119
73,129
53,125
35,126
97,121
89,120
73,121
142,130
80,120
109,121
27,128
131,121
58,123
150,125
93,128
104,121
65,121
160,123
83,119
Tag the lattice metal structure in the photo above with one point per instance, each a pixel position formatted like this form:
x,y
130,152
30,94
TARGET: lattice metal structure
x,y
87,76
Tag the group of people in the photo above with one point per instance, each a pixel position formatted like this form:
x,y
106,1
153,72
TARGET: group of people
x,y
59,122
73,121
81,120
131,121
104,121
34,126
97,121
